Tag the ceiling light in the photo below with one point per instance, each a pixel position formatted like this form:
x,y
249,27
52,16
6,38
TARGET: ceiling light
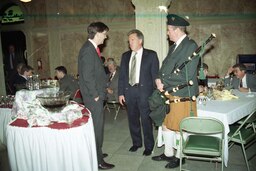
x,y
25,0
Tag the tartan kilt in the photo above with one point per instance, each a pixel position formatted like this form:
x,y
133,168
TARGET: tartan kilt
x,y
178,112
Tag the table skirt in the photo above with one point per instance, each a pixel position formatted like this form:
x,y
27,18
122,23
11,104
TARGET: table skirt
x,y
46,149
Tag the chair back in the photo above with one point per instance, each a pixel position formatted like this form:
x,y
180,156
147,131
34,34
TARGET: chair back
x,y
78,97
77,94
250,119
202,125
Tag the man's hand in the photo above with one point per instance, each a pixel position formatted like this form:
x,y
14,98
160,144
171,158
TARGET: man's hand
x,y
230,70
159,85
97,98
110,91
242,89
121,100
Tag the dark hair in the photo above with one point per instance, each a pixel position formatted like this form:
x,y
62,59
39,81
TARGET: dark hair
x,y
138,33
96,27
242,67
26,68
61,69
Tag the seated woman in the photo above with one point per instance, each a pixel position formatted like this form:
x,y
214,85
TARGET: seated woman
x,y
67,82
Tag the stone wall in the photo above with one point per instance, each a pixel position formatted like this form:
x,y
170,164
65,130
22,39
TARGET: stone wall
x,y
56,29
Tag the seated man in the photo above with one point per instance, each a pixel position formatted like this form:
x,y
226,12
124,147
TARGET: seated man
x,y
21,79
242,81
112,85
16,76
67,82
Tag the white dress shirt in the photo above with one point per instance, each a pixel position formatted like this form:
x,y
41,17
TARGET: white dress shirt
x,y
138,63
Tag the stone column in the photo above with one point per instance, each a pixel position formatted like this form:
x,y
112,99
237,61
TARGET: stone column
x,y
150,18
52,7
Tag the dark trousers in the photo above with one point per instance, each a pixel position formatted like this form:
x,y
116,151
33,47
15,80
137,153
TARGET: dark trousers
x,y
138,115
96,109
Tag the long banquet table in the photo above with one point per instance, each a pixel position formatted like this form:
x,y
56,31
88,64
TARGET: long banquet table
x,y
57,147
229,112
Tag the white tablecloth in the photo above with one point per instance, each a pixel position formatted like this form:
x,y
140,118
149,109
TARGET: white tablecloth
x,y
5,118
46,149
228,112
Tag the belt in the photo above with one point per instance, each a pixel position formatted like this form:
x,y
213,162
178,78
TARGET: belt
x,y
136,85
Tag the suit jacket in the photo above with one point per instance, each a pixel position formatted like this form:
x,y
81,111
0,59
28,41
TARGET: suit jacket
x,y
18,58
148,73
69,84
92,76
189,72
113,84
235,82
19,82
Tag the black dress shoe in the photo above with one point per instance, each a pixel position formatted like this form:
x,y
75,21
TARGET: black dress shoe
x,y
147,152
134,148
175,162
162,157
105,155
105,166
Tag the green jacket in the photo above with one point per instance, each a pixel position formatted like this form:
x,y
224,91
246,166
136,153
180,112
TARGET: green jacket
x,y
189,72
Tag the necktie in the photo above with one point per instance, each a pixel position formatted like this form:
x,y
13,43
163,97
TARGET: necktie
x,y
110,77
174,46
11,61
98,51
241,83
132,73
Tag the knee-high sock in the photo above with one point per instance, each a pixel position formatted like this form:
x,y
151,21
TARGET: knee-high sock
x,y
177,145
168,141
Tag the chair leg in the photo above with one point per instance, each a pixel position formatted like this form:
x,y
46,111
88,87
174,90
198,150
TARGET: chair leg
x,y
245,157
117,108
106,106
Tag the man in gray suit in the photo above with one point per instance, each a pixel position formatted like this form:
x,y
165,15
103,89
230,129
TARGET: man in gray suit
x,y
92,82
242,81
112,85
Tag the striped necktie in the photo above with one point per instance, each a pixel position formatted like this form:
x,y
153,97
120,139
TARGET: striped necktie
x,y
132,72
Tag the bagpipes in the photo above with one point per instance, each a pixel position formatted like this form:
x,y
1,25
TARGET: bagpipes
x,y
197,51
164,94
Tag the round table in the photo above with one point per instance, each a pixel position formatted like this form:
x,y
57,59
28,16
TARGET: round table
x,y
59,147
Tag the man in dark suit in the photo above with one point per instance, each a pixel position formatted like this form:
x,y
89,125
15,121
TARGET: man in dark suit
x,y
112,85
138,70
67,82
22,77
179,52
92,82
11,60
242,81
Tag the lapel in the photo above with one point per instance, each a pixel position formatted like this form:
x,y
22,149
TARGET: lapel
x,y
128,58
143,58
178,50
